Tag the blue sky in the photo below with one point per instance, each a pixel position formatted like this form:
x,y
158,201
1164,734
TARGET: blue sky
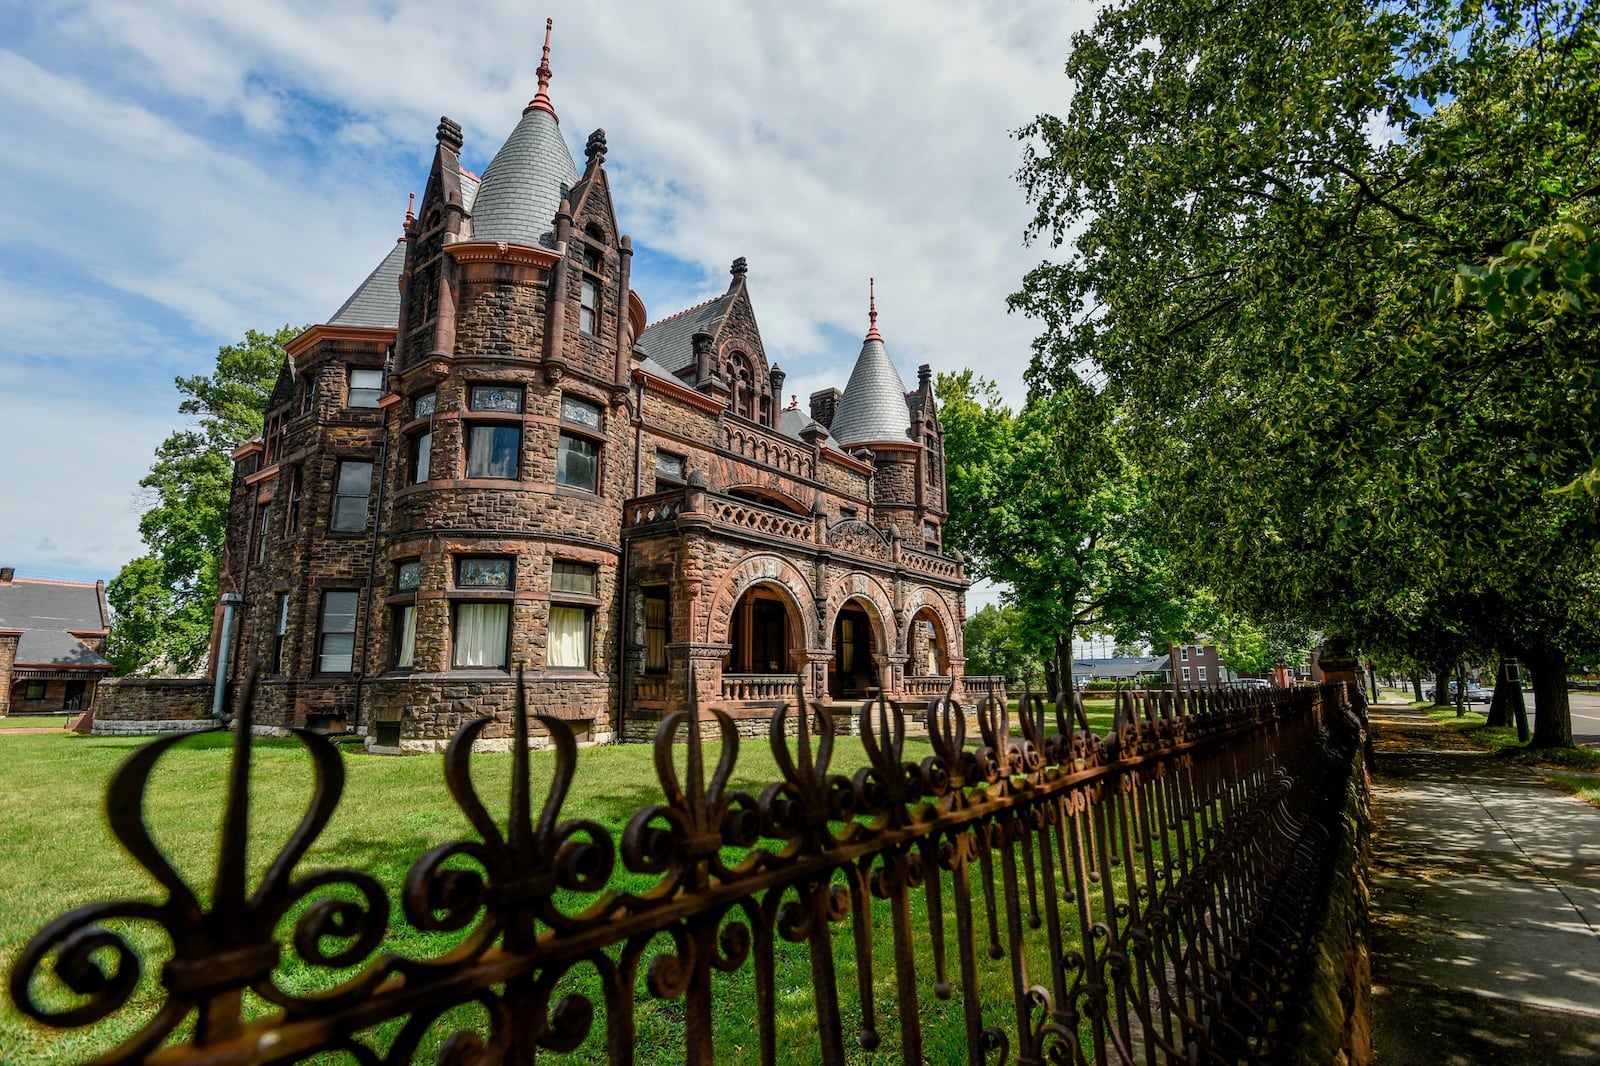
x,y
180,171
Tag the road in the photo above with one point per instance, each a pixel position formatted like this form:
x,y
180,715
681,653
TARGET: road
x,y
1585,717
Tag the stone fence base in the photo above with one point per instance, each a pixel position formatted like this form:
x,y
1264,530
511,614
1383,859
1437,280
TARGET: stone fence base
x,y
134,705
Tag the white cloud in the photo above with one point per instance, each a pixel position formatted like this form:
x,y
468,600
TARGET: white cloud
x,y
243,165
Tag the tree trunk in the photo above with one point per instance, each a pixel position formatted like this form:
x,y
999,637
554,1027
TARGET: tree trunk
x,y
1441,685
1461,689
1416,684
1500,705
1552,713
1063,662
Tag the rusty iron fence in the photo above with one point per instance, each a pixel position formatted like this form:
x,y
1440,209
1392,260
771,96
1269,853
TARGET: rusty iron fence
x,y
1149,895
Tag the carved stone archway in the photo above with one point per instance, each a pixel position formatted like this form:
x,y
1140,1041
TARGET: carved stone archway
x,y
762,569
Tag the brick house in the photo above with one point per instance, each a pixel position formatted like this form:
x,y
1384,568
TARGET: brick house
x,y
52,644
1198,665
489,458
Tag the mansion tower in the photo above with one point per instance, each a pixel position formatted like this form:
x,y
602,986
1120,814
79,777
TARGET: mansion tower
x,y
488,458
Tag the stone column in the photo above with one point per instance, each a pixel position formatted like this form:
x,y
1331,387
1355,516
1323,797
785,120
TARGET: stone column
x,y
8,657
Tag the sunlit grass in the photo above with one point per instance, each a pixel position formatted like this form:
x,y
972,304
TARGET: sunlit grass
x,y
1502,740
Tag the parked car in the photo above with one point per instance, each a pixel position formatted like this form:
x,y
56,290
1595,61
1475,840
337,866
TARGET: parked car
x,y
1252,682
1475,693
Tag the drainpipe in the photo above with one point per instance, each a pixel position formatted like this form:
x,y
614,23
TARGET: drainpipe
x,y
231,601
364,618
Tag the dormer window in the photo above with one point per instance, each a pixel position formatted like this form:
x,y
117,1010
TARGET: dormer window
x,y
589,307
593,259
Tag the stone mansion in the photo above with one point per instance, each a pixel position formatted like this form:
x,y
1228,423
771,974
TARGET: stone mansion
x,y
488,458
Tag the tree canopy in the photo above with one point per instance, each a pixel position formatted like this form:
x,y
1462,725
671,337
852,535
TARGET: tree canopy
x,y
163,601
1336,263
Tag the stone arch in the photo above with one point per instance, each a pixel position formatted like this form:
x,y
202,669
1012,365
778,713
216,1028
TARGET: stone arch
x,y
762,568
859,585
929,599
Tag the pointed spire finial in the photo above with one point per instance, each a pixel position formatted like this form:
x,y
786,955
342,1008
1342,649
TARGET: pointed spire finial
x,y
541,99
872,311
411,208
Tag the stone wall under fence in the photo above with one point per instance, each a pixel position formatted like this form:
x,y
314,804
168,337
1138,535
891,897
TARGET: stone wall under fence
x,y
148,705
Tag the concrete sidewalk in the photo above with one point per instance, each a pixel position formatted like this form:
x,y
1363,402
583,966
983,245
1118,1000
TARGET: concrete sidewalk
x,y
1486,906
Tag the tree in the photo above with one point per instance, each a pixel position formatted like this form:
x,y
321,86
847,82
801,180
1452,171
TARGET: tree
x,y
1334,261
995,647
163,601
1043,501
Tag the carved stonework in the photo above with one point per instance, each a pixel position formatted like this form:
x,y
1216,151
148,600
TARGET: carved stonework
x,y
758,570
858,538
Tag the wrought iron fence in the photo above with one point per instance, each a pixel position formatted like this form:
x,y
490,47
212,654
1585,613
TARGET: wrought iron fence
x,y
1149,893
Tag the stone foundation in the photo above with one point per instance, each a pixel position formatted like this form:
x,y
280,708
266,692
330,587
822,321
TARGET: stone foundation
x,y
132,705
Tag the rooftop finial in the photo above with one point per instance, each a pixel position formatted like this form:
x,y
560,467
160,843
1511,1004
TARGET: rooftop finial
x,y
872,312
541,99
739,268
411,209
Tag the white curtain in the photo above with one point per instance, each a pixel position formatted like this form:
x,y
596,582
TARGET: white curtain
x,y
481,634
407,645
569,637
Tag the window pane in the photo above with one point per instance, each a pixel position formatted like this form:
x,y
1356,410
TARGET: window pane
x,y
655,633
283,613
338,632
584,414
483,573
495,398
569,637
576,464
669,466
586,307
421,456
572,577
424,405
481,634
492,451
405,629
366,388
350,513
350,499
355,479
408,576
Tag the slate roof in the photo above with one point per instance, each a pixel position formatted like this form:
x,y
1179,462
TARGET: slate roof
x,y
47,612
1123,666
670,342
873,407
376,302
524,184
791,422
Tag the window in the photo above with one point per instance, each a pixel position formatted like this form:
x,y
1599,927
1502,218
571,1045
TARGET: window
x,y
408,576
280,632
338,632
423,406
480,637
291,521
308,392
655,631
930,534
1183,652
1200,673
669,469
492,451
403,628
421,457
502,399
480,573
366,388
593,258
588,307
263,524
350,496
34,691
1186,673
847,644
572,591
578,456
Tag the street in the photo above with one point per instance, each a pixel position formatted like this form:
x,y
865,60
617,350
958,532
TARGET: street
x,y
1585,717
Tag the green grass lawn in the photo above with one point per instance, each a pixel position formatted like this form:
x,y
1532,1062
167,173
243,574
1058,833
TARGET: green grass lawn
x,y
61,854
34,721
1502,740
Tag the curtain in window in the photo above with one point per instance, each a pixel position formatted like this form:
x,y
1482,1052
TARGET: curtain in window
x,y
492,451
569,637
847,642
481,634
406,644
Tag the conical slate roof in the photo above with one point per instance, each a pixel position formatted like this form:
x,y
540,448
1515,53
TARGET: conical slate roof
x,y
523,187
873,407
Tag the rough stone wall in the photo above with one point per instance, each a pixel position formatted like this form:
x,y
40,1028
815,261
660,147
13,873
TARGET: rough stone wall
x,y
153,699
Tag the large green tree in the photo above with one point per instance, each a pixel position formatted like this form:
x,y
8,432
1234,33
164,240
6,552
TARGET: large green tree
x,y
1335,261
1043,501
163,601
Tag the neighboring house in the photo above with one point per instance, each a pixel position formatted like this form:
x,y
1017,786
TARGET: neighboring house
x,y
1198,664
1129,668
487,460
52,642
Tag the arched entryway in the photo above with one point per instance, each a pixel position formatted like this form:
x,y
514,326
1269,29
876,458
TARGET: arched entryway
x,y
762,632
854,673
928,650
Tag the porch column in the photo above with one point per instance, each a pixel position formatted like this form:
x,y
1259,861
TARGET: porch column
x,y
891,673
812,665
704,671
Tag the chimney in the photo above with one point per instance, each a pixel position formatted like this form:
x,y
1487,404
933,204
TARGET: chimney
x,y
6,574
924,377
824,404
702,356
